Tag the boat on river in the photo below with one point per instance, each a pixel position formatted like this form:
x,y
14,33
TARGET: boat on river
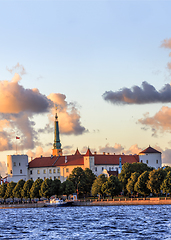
x,y
56,202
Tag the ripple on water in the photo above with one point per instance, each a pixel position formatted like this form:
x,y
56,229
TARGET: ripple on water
x,y
118,222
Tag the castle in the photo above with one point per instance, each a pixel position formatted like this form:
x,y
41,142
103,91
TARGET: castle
x,y
59,167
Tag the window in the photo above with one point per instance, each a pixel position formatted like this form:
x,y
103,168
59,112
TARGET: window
x,y
44,178
109,168
11,171
102,168
14,164
31,172
141,160
54,170
67,169
31,178
38,177
44,171
50,170
59,177
96,169
20,171
38,171
50,177
147,161
58,170
19,163
157,161
54,178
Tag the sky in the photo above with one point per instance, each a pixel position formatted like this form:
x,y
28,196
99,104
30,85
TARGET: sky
x,y
106,65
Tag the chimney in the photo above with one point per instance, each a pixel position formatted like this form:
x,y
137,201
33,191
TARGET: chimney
x,y
103,153
108,153
94,153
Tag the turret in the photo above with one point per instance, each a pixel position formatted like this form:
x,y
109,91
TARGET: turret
x,y
57,145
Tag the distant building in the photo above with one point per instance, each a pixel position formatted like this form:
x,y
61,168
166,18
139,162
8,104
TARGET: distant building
x,y
59,167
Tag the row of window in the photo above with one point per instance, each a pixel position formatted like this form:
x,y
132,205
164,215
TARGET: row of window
x,y
14,164
21,171
50,171
147,161
49,178
110,169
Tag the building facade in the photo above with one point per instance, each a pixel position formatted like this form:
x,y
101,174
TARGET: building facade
x,y
60,167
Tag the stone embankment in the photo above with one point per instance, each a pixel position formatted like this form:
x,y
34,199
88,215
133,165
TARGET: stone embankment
x,y
26,205
118,202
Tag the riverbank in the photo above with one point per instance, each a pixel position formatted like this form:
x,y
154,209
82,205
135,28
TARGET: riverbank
x,y
102,202
130,201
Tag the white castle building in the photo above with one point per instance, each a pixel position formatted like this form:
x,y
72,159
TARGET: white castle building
x,y
60,167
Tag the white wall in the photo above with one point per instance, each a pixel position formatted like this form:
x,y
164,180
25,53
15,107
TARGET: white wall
x,y
152,159
17,167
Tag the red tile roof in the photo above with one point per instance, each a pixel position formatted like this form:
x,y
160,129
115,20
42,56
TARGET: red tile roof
x,y
88,153
114,159
78,159
150,150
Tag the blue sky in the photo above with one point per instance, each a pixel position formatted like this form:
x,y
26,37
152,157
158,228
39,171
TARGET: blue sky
x,y
82,49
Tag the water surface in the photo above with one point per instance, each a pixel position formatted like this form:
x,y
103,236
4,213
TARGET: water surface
x,y
108,222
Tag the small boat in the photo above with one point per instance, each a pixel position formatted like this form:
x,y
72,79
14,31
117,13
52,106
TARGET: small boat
x,y
56,202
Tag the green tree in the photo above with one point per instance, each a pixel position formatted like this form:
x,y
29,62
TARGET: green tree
x,y
90,177
18,188
25,193
141,184
9,190
156,178
78,178
56,187
34,191
97,185
46,188
129,168
112,186
166,185
67,187
3,188
131,183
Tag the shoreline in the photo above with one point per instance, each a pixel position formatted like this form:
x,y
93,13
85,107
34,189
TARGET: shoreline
x,y
114,202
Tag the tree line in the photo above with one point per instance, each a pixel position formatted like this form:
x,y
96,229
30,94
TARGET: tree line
x,y
79,181
134,178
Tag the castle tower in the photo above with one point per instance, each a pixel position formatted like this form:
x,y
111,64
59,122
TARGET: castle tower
x,y
56,151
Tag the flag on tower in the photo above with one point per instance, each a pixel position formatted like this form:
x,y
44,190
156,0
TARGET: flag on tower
x,y
17,137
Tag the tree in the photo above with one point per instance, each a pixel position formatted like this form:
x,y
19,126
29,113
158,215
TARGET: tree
x,y
18,188
3,188
46,188
90,177
156,178
131,183
97,185
78,178
112,186
25,193
9,190
141,184
67,187
34,191
129,168
56,187
166,185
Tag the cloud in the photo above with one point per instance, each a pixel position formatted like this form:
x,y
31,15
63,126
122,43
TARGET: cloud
x,y
18,67
69,117
117,149
139,95
166,43
3,169
19,105
160,121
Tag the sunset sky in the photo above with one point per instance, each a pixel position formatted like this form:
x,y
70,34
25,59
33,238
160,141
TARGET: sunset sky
x,y
105,64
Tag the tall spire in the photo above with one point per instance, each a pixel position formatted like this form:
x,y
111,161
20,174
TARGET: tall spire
x,y
57,144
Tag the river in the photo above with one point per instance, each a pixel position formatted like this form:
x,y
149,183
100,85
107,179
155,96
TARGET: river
x,y
109,222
